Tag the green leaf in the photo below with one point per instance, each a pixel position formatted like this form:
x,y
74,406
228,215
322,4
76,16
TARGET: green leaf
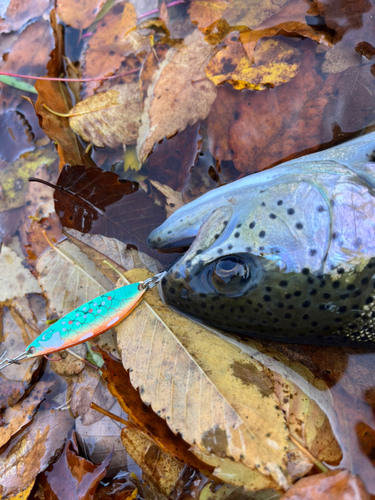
x,y
14,82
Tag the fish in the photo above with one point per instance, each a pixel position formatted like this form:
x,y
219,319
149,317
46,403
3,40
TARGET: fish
x,y
286,254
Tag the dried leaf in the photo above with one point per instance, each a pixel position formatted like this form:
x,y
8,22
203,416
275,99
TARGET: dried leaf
x,y
223,423
72,476
173,198
33,449
340,59
15,279
13,178
71,271
275,63
160,468
68,365
18,13
110,118
99,202
172,99
99,59
332,485
37,243
78,15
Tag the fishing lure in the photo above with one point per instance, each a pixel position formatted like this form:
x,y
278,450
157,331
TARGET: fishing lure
x,y
88,320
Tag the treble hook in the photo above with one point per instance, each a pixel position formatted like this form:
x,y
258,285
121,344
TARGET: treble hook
x,y
9,361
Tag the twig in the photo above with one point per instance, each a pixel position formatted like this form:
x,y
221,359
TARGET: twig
x,y
314,460
107,413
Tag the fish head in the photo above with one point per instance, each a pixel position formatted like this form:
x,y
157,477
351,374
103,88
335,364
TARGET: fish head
x,y
258,262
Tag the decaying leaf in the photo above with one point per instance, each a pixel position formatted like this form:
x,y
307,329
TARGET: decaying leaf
x,y
109,118
13,178
15,279
18,13
79,15
72,476
68,365
99,58
37,243
275,63
202,400
69,269
161,469
332,485
178,87
173,200
33,449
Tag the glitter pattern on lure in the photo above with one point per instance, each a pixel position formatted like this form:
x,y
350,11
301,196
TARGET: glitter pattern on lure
x,y
87,321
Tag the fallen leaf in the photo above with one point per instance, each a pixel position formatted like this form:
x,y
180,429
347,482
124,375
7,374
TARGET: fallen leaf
x,y
171,103
144,418
18,13
72,476
17,136
69,269
340,59
15,279
173,200
109,118
160,468
22,495
99,59
99,248
21,414
223,423
235,12
332,485
228,491
173,159
99,202
56,96
68,365
275,63
33,449
78,15
287,130
13,178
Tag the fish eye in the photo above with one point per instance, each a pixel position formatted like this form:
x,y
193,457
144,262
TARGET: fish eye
x,y
230,274
31,350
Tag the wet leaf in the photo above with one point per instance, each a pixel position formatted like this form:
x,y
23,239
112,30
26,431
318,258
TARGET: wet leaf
x,y
17,84
275,63
78,15
223,423
160,468
13,178
68,365
229,492
15,279
173,200
109,118
286,129
143,416
101,203
99,58
72,476
236,12
178,85
332,485
69,269
33,449
23,495
56,96
21,414
37,243
18,13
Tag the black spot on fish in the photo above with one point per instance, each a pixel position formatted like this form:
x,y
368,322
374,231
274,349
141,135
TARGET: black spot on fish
x,y
305,271
341,270
263,204
344,296
310,280
326,295
297,293
203,305
306,303
283,283
313,292
314,324
230,247
280,305
336,284
350,287
272,216
334,236
199,252
220,251
172,291
267,298
261,249
236,235
262,234
221,307
287,316
290,307
225,222
290,211
369,300
299,225
268,289
169,232
364,281
177,274
280,202
216,236
287,296
312,252
305,316
252,225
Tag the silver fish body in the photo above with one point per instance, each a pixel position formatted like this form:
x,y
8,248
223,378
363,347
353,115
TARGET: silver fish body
x,y
286,254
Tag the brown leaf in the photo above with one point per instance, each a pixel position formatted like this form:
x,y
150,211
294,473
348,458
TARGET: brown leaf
x,y
203,400
15,280
153,425
286,129
160,468
56,96
18,13
79,15
173,198
172,99
332,485
109,118
273,63
33,449
99,59
72,477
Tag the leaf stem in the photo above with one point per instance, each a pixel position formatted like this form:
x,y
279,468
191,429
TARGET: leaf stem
x,y
108,414
314,460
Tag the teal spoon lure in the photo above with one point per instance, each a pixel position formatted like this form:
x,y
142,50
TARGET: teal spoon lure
x,y
87,321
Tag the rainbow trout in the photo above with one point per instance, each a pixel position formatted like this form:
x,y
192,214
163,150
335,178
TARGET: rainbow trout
x,y
287,254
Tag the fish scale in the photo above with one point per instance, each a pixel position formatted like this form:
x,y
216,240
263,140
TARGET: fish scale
x,y
286,254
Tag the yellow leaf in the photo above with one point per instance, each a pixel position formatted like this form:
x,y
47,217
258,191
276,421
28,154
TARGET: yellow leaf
x,y
23,495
